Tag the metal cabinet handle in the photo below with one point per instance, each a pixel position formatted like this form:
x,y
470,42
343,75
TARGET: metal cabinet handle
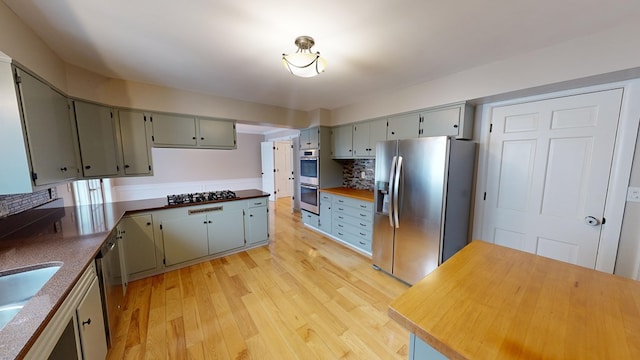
x,y
88,322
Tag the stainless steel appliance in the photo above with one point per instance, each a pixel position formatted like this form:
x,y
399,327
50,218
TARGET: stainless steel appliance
x,y
113,282
422,198
310,198
310,167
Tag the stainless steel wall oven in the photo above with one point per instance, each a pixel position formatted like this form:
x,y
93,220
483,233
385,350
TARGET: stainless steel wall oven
x,y
309,198
310,167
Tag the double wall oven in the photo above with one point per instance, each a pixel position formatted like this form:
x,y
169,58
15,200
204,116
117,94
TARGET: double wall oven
x,y
309,180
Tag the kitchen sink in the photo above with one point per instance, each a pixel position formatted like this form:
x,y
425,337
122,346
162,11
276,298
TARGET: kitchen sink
x,y
18,287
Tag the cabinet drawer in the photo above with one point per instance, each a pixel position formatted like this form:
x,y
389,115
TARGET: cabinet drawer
x,y
353,203
357,213
324,197
310,218
353,221
339,226
257,202
355,240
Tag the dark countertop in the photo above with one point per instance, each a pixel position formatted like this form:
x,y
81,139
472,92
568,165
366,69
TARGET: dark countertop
x,y
72,235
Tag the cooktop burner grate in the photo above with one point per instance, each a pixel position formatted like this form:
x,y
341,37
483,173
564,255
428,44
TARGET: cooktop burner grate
x,y
200,197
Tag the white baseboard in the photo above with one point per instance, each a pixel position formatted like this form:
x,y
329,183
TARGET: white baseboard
x,y
152,191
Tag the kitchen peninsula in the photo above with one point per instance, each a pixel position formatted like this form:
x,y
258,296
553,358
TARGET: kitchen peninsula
x,y
73,236
492,302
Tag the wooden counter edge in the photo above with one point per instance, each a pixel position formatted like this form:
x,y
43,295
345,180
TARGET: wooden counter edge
x,y
358,194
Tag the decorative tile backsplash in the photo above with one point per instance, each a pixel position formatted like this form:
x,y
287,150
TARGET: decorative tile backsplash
x,y
20,202
352,171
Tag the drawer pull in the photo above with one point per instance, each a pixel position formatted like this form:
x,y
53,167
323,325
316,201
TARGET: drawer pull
x,y
258,203
341,217
340,225
361,224
363,215
361,243
340,201
363,235
363,206
341,209
341,234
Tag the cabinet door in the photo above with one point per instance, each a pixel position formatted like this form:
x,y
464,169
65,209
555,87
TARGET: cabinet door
x,y
403,127
185,238
173,130
361,139
139,246
377,133
93,339
309,138
49,131
342,141
325,212
257,224
225,228
97,137
217,133
440,122
136,150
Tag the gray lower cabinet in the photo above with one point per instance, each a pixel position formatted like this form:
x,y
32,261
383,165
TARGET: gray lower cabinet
x,y
37,136
139,245
225,227
352,221
91,324
257,221
193,232
419,350
76,330
97,138
310,218
325,212
184,236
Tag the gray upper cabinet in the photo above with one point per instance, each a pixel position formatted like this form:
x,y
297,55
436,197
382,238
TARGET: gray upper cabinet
x,y
215,133
310,138
366,135
36,139
455,120
170,130
342,142
49,131
135,134
174,130
97,138
405,126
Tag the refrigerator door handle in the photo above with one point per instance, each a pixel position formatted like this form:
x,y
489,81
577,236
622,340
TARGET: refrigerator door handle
x,y
392,172
396,187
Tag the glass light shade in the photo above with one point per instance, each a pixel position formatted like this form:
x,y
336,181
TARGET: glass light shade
x,y
304,64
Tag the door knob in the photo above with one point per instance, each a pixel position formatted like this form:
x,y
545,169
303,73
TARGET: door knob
x,y
590,220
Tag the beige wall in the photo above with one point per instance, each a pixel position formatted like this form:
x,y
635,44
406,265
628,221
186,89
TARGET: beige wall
x,y
192,165
22,44
91,86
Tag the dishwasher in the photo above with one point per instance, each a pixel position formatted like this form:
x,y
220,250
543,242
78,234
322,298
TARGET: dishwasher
x,y
112,278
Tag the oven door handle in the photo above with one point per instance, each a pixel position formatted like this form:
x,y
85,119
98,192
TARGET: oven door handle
x,y
309,186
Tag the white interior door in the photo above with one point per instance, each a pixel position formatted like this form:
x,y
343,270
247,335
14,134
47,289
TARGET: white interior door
x,y
283,171
268,177
548,172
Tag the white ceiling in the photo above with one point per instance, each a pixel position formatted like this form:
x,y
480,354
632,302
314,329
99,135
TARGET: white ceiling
x,y
232,48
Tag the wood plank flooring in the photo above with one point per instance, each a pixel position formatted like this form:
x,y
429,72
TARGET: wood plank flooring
x,y
301,297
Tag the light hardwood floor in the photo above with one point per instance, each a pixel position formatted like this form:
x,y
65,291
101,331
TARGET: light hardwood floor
x,y
301,297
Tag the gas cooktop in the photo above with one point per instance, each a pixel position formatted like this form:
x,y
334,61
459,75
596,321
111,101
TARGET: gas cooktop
x,y
200,197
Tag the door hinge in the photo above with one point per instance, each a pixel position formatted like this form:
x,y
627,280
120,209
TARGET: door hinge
x,y
490,127
160,226
485,196
34,176
292,146
274,170
234,142
117,168
153,138
150,118
111,114
164,261
145,118
149,167
604,221
18,78
274,148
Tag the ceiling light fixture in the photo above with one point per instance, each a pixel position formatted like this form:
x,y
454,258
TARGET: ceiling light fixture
x,y
303,62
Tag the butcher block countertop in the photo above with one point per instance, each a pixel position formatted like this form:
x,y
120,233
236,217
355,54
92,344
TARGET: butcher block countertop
x,y
492,302
364,195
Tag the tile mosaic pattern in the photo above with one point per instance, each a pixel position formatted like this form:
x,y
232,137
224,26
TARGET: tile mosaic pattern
x,y
352,174
18,203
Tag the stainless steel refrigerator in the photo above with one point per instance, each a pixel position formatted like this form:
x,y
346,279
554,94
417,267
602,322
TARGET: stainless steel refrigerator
x,y
423,200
